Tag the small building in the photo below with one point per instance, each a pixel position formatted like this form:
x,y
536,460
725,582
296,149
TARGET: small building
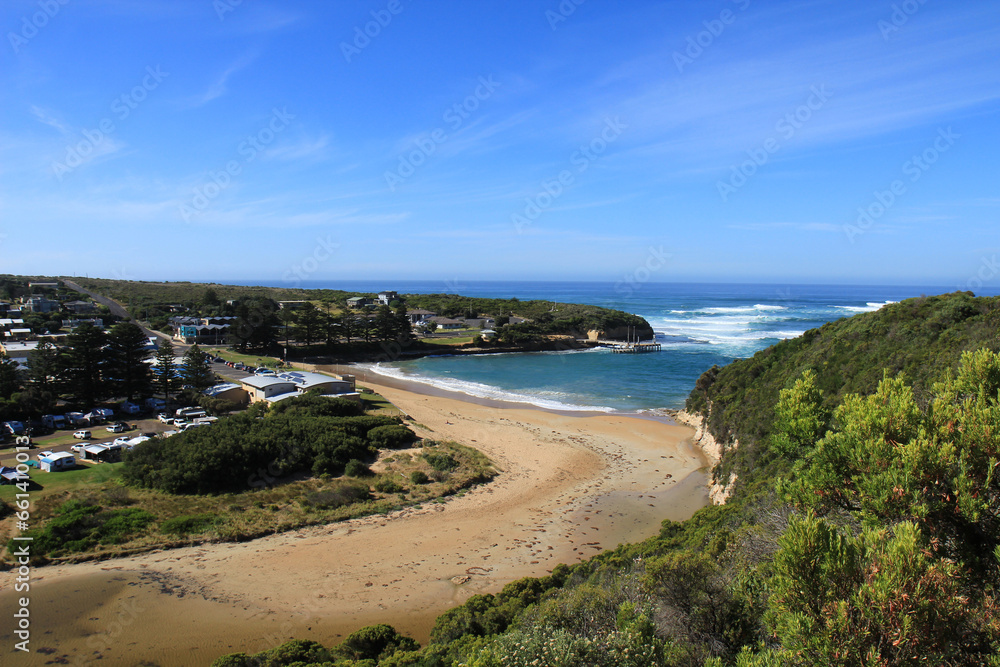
x,y
10,475
102,453
418,314
358,302
265,387
57,462
76,322
229,392
387,297
40,304
446,322
17,334
80,307
18,350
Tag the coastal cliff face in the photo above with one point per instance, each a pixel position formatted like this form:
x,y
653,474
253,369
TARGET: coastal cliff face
x,y
622,333
718,492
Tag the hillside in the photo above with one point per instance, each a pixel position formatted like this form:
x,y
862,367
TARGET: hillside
x,y
918,338
865,528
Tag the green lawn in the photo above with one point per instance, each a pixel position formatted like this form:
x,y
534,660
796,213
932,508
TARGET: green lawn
x,y
455,340
47,483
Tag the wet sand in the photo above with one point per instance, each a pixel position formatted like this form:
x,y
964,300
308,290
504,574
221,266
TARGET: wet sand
x,y
571,486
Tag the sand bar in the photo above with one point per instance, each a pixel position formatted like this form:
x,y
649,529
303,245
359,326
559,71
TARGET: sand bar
x,y
570,487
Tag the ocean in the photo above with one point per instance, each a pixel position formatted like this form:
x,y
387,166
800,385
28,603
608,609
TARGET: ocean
x,y
698,325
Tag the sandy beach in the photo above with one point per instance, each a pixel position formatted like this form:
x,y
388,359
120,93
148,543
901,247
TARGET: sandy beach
x,y
570,486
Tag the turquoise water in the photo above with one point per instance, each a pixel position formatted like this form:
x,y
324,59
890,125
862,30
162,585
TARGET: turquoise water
x,y
698,326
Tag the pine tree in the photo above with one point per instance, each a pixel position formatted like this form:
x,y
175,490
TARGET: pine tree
x,y
308,323
85,365
11,378
127,354
166,381
195,369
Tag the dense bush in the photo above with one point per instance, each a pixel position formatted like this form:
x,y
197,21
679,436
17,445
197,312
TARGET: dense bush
x,y
356,468
419,477
391,437
256,448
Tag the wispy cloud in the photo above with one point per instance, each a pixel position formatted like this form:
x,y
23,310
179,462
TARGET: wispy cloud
x,y
220,86
48,118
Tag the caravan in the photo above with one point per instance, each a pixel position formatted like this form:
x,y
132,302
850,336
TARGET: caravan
x,y
54,421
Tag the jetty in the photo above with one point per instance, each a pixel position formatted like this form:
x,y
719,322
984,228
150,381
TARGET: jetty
x,y
637,347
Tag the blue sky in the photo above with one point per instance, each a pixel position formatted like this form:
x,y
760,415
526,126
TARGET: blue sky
x,y
730,140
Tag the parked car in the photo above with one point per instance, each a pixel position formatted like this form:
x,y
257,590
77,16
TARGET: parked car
x,y
219,360
121,441
78,447
165,418
42,455
120,427
82,435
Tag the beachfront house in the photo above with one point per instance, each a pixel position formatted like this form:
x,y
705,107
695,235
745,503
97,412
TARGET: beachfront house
x,y
385,298
358,302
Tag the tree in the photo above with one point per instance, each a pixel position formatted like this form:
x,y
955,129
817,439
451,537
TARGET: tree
x,y
46,377
195,369
308,323
127,354
799,419
255,327
11,378
166,370
85,365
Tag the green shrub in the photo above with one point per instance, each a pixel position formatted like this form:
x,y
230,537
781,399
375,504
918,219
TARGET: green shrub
x,y
391,437
185,525
356,468
419,477
343,493
386,485
442,462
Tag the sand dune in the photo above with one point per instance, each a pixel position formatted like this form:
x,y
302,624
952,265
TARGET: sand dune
x,y
570,487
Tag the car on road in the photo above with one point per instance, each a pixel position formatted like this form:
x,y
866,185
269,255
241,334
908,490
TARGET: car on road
x,y
82,435
120,427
